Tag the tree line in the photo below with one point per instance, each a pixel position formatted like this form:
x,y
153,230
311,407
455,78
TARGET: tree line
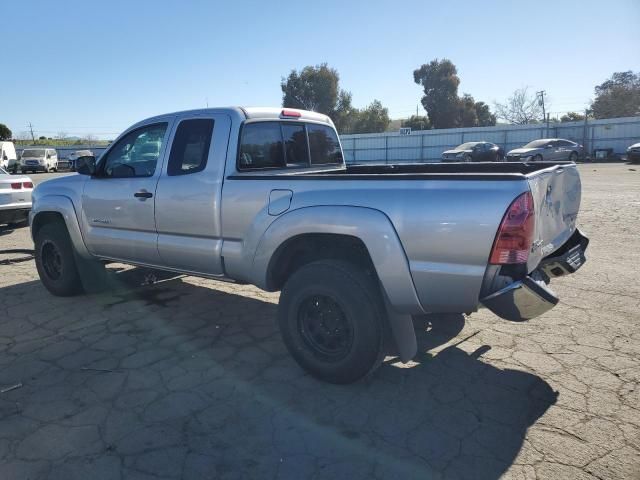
x,y
318,88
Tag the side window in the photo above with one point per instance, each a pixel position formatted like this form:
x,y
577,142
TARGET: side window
x,y
295,145
324,145
261,146
136,154
190,148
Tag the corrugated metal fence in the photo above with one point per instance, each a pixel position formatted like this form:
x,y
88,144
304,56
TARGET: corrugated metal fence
x,y
428,145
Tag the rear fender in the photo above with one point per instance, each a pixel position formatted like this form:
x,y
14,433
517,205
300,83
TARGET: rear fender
x,y
371,226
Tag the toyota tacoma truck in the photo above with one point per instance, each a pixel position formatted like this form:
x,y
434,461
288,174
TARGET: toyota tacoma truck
x,y
263,196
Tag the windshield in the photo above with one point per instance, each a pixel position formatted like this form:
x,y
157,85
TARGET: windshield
x,y
33,153
536,144
466,146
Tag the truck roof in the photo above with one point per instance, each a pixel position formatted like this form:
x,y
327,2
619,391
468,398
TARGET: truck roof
x,y
255,113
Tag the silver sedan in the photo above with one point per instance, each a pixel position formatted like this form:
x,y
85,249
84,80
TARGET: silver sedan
x,y
548,150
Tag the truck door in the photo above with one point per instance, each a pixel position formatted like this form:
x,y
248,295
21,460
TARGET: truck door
x,y
189,193
118,202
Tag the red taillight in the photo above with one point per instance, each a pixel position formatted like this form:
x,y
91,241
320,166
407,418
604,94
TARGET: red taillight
x,y
290,113
27,184
16,186
515,235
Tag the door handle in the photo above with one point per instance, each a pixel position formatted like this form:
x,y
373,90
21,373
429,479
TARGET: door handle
x,y
142,194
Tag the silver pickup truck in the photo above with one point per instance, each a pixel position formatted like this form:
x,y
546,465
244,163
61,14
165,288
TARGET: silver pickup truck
x,y
263,196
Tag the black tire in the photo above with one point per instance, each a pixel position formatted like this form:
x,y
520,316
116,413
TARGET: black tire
x,y
345,305
468,158
55,260
537,158
573,157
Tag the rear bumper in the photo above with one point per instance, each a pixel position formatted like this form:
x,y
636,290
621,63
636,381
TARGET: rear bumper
x,y
531,297
14,215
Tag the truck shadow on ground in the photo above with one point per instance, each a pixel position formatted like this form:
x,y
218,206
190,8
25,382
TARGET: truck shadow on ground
x,y
193,382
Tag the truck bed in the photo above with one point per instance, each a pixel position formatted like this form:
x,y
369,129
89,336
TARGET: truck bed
x,y
417,171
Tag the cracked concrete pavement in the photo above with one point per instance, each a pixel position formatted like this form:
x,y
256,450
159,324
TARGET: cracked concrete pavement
x,y
188,378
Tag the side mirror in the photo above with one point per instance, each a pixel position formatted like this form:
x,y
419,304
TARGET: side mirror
x,y
548,146
86,165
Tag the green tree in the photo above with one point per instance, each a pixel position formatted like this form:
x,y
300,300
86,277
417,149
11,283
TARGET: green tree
x,y
416,122
317,88
372,119
313,88
344,114
467,116
485,117
618,96
439,80
5,132
572,117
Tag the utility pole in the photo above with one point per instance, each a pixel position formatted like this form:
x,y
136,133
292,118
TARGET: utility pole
x,y
416,110
541,102
33,138
584,133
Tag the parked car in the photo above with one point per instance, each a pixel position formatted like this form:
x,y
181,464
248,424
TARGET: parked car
x,y
547,150
70,162
15,197
39,160
474,152
8,158
258,195
633,153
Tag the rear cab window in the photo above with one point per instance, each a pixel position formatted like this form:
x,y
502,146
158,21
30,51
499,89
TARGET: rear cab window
x,y
287,144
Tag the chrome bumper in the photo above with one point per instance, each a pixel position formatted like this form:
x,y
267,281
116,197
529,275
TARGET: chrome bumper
x,y
531,297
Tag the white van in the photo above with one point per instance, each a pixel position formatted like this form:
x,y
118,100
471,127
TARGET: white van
x,y
39,160
8,158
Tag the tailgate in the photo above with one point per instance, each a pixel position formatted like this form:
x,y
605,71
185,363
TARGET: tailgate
x,y
556,195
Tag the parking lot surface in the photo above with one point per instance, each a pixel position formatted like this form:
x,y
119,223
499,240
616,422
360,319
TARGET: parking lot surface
x,y
188,378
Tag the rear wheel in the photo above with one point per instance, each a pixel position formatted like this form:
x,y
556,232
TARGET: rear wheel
x,y
332,320
55,260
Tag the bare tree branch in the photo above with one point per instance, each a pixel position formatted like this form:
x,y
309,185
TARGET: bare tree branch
x,y
520,108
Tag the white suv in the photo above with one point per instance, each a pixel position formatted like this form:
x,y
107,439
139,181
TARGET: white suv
x,y
39,160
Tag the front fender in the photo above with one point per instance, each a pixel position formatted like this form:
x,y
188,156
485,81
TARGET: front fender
x,y
64,206
371,226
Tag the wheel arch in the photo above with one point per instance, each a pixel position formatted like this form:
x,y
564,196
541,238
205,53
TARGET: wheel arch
x,y
58,208
361,235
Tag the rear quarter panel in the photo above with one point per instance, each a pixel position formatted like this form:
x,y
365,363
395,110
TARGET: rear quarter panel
x,y
446,227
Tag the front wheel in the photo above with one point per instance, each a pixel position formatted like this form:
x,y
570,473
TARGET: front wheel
x,y
537,158
332,319
55,260
573,157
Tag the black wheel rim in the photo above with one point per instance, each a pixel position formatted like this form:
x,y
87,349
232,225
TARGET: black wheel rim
x,y
51,260
325,328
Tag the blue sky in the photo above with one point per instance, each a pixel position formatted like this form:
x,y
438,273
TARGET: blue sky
x,y
96,67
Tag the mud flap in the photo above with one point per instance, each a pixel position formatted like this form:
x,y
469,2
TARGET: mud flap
x,y
403,332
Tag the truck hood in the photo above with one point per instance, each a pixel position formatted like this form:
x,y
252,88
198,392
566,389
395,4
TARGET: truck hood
x,y
68,186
